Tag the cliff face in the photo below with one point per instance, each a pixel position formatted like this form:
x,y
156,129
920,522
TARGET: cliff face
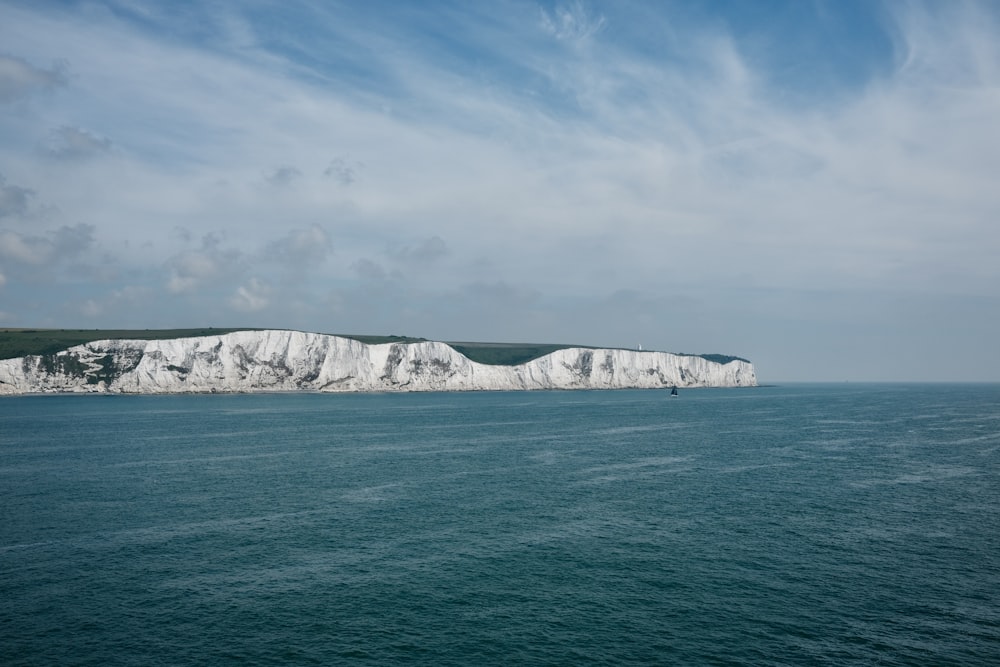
x,y
249,361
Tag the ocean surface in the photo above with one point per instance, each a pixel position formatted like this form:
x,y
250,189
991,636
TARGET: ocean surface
x,y
792,525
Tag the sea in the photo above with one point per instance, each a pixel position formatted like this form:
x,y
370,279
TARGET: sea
x,y
834,524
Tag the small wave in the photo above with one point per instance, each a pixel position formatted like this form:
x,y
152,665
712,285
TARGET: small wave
x,y
371,494
933,474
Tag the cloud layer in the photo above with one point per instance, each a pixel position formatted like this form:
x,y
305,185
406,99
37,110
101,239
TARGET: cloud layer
x,y
608,175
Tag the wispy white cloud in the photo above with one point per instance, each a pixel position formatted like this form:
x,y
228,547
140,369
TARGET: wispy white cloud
x,y
74,143
20,79
571,21
251,297
210,263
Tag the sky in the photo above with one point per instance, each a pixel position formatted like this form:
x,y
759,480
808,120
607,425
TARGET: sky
x,y
811,185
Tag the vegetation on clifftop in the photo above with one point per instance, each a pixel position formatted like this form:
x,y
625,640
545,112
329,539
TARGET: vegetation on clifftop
x,y
22,342
718,358
506,354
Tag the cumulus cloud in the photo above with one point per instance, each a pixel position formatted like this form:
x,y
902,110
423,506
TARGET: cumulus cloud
x,y
36,250
423,252
370,271
283,176
73,143
119,302
299,247
20,79
182,233
342,171
251,297
192,269
73,240
14,200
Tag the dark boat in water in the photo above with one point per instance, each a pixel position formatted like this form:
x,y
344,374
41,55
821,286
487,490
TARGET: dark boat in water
x,y
673,391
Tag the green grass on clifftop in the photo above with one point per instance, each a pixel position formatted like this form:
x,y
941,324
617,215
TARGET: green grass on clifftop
x,y
506,354
22,342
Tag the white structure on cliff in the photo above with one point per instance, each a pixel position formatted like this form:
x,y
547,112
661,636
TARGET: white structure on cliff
x,y
248,361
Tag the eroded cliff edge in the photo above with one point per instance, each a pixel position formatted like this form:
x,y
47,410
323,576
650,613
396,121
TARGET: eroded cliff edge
x,y
248,361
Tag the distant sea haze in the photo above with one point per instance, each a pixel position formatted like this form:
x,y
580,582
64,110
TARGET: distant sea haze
x,y
793,525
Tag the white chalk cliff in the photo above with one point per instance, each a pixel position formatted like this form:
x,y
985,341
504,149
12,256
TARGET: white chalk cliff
x,y
249,361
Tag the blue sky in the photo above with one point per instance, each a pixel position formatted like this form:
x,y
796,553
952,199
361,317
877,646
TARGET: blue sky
x,y
810,185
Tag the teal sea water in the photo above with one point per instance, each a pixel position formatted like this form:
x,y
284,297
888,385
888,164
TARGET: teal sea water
x,y
798,525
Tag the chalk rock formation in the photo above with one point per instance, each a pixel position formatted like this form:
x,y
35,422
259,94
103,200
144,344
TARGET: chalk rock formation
x,y
249,361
